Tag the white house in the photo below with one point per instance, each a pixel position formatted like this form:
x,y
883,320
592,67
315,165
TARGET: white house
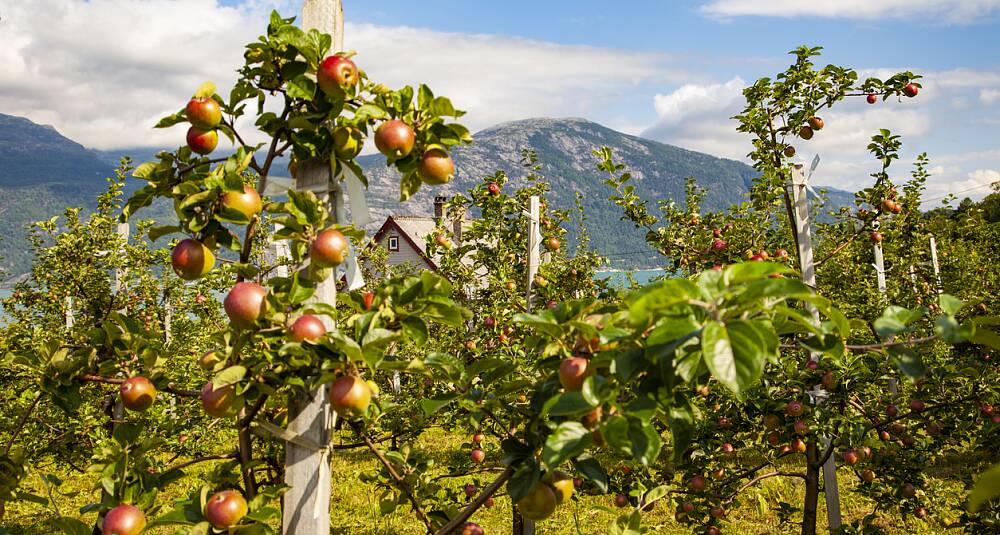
x,y
405,236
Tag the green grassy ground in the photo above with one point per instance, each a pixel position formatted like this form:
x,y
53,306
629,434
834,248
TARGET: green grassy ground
x,y
355,507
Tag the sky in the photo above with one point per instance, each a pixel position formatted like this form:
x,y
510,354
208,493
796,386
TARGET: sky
x,y
103,71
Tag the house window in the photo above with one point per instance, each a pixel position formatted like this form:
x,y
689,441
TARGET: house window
x,y
393,243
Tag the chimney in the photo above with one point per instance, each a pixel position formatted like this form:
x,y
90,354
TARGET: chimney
x,y
439,208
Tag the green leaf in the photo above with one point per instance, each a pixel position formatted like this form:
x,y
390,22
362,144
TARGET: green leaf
x,y
894,320
525,477
950,305
591,469
156,233
434,404
736,368
301,87
368,112
409,185
987,487
568,440
627,524
907,361
681,421
570,403
229,376
71,526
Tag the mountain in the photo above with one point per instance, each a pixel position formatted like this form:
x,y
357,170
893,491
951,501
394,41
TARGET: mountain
x,y
564,152
41,172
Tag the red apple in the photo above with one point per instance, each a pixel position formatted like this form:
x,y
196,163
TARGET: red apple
x,y
436,167
191,259
876,237
204,112
713,530
795,409
246,202
573,371
718,244
698,483
470,490
728,449
369,299
202,141
350,396
493,188
801,427
329,249
307,327
621,500
477,455
225,509
911,90
789,151
891,411
471,528
798,445
336,73
137,393
478,438
806,133
917,405
816,123
867,476
124,519
221,402
908,490
553,244
851,457
717,511
395,139
872,98
245,304
920,512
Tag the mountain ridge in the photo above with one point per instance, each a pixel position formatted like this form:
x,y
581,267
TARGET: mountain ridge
x,y
48,172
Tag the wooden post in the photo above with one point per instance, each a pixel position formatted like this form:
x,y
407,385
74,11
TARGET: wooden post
x,y
937,268
522,526
69,312
306,505
808,266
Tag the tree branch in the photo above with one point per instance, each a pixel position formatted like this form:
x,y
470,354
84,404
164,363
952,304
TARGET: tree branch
x,y
400,482
470,509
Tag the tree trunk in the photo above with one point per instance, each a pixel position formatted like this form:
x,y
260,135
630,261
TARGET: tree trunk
x,y
812,489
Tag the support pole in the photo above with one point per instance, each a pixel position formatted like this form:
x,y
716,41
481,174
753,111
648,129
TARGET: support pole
x,y
937,267
808,266
521,525
883,289
70,320
306,505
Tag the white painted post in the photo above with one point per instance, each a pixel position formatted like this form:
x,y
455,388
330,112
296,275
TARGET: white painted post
x,y
808,266
937,268
534,245
883,289
306,505
69,312
123,232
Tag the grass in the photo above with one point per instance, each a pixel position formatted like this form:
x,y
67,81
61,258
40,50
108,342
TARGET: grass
x,y
355,504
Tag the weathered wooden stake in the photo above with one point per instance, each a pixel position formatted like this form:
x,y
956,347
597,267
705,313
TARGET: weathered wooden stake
x,y
808,266
520,525
306,506
937,268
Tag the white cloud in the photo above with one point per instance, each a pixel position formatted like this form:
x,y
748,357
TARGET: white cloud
x,y
989,96
103,71
974,184
954,11
691,99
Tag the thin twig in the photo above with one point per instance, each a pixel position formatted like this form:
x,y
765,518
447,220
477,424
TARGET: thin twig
x,y
171,389
22,422
196,460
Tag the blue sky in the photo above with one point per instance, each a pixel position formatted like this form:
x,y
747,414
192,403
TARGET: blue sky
x,y
671,71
